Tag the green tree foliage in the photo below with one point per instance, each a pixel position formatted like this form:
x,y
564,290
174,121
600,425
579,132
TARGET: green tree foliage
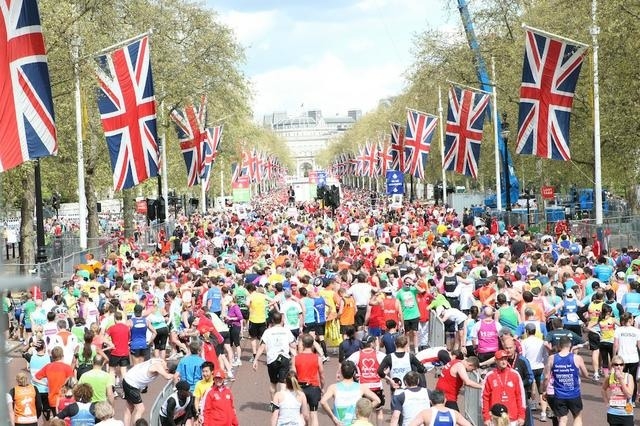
x,y
442,56
192,53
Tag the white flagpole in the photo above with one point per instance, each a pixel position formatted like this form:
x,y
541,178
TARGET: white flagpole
x,y
464,86
203,195
595,30
122,43
559,37
82,197
444,172
163,158
495,135
221,184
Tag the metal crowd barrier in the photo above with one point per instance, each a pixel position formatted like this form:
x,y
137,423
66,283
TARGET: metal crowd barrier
x,y
154,414
472,409
437,336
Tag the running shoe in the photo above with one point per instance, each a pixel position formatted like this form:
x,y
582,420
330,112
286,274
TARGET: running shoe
x,y
596,377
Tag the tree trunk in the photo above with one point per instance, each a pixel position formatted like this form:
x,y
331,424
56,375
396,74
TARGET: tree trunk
x,y
90,194
27,226
128,204
92,211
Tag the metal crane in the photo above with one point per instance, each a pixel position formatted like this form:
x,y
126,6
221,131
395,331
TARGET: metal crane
x,y
508,176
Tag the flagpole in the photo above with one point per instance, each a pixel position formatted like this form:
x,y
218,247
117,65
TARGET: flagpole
x,y
559,37
122,43
495,135
595,30
221,184
82,196
163,158
421,112
203,195
444,172
165,175
464,86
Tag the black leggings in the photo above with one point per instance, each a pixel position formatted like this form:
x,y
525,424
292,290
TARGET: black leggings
x,y
606,353
632,369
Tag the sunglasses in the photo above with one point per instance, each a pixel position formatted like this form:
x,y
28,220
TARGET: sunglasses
x,y
617,364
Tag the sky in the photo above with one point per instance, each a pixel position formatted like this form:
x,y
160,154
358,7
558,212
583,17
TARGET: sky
x,y
332,55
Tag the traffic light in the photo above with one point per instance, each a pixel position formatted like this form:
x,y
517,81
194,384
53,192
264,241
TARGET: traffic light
x,y
332,197
160,210
151,210
55,201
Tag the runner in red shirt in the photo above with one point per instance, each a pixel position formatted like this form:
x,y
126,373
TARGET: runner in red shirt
x,y
454,376
120,335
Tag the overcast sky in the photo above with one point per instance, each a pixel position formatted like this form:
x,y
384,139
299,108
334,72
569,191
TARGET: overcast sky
x,y
332,55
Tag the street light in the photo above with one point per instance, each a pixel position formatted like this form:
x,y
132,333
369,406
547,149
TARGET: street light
x,y
528,194
505,166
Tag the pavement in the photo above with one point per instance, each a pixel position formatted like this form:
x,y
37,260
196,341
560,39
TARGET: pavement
x,y
251,392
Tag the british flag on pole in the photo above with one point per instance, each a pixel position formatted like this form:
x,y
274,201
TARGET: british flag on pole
x,y
417,141
128,112
192,136
397,147
210,151
465,119
549,77
385,159
27,128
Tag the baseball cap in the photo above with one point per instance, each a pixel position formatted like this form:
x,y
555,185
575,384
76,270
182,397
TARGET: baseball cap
x,y
570,293
182,385
501,354
530,327
387,290
620,275
218,374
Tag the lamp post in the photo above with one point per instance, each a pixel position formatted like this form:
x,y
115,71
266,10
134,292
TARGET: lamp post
x,y
505,167
528,193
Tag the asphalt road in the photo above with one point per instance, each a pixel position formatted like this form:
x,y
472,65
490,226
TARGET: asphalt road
x,y
251,393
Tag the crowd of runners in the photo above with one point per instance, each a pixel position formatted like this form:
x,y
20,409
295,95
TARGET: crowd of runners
x,y
216,293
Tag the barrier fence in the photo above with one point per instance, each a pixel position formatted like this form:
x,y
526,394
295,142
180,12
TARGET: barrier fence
x,y
437,336
154,414
472,409
61,267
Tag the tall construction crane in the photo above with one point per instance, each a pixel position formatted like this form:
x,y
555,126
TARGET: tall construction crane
x,y
508,175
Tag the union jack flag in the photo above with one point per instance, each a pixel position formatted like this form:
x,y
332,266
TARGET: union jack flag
x,y
465,119
385,158
549,77
128,112
397,147
246,166
27,121
235,172
210,150
417,141
371,152
361,158
192,136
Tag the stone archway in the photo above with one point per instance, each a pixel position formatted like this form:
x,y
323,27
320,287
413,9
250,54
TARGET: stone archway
x,y
304,167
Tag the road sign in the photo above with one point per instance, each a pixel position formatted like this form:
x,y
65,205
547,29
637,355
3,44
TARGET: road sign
x,y
322,178
395,182
547,192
